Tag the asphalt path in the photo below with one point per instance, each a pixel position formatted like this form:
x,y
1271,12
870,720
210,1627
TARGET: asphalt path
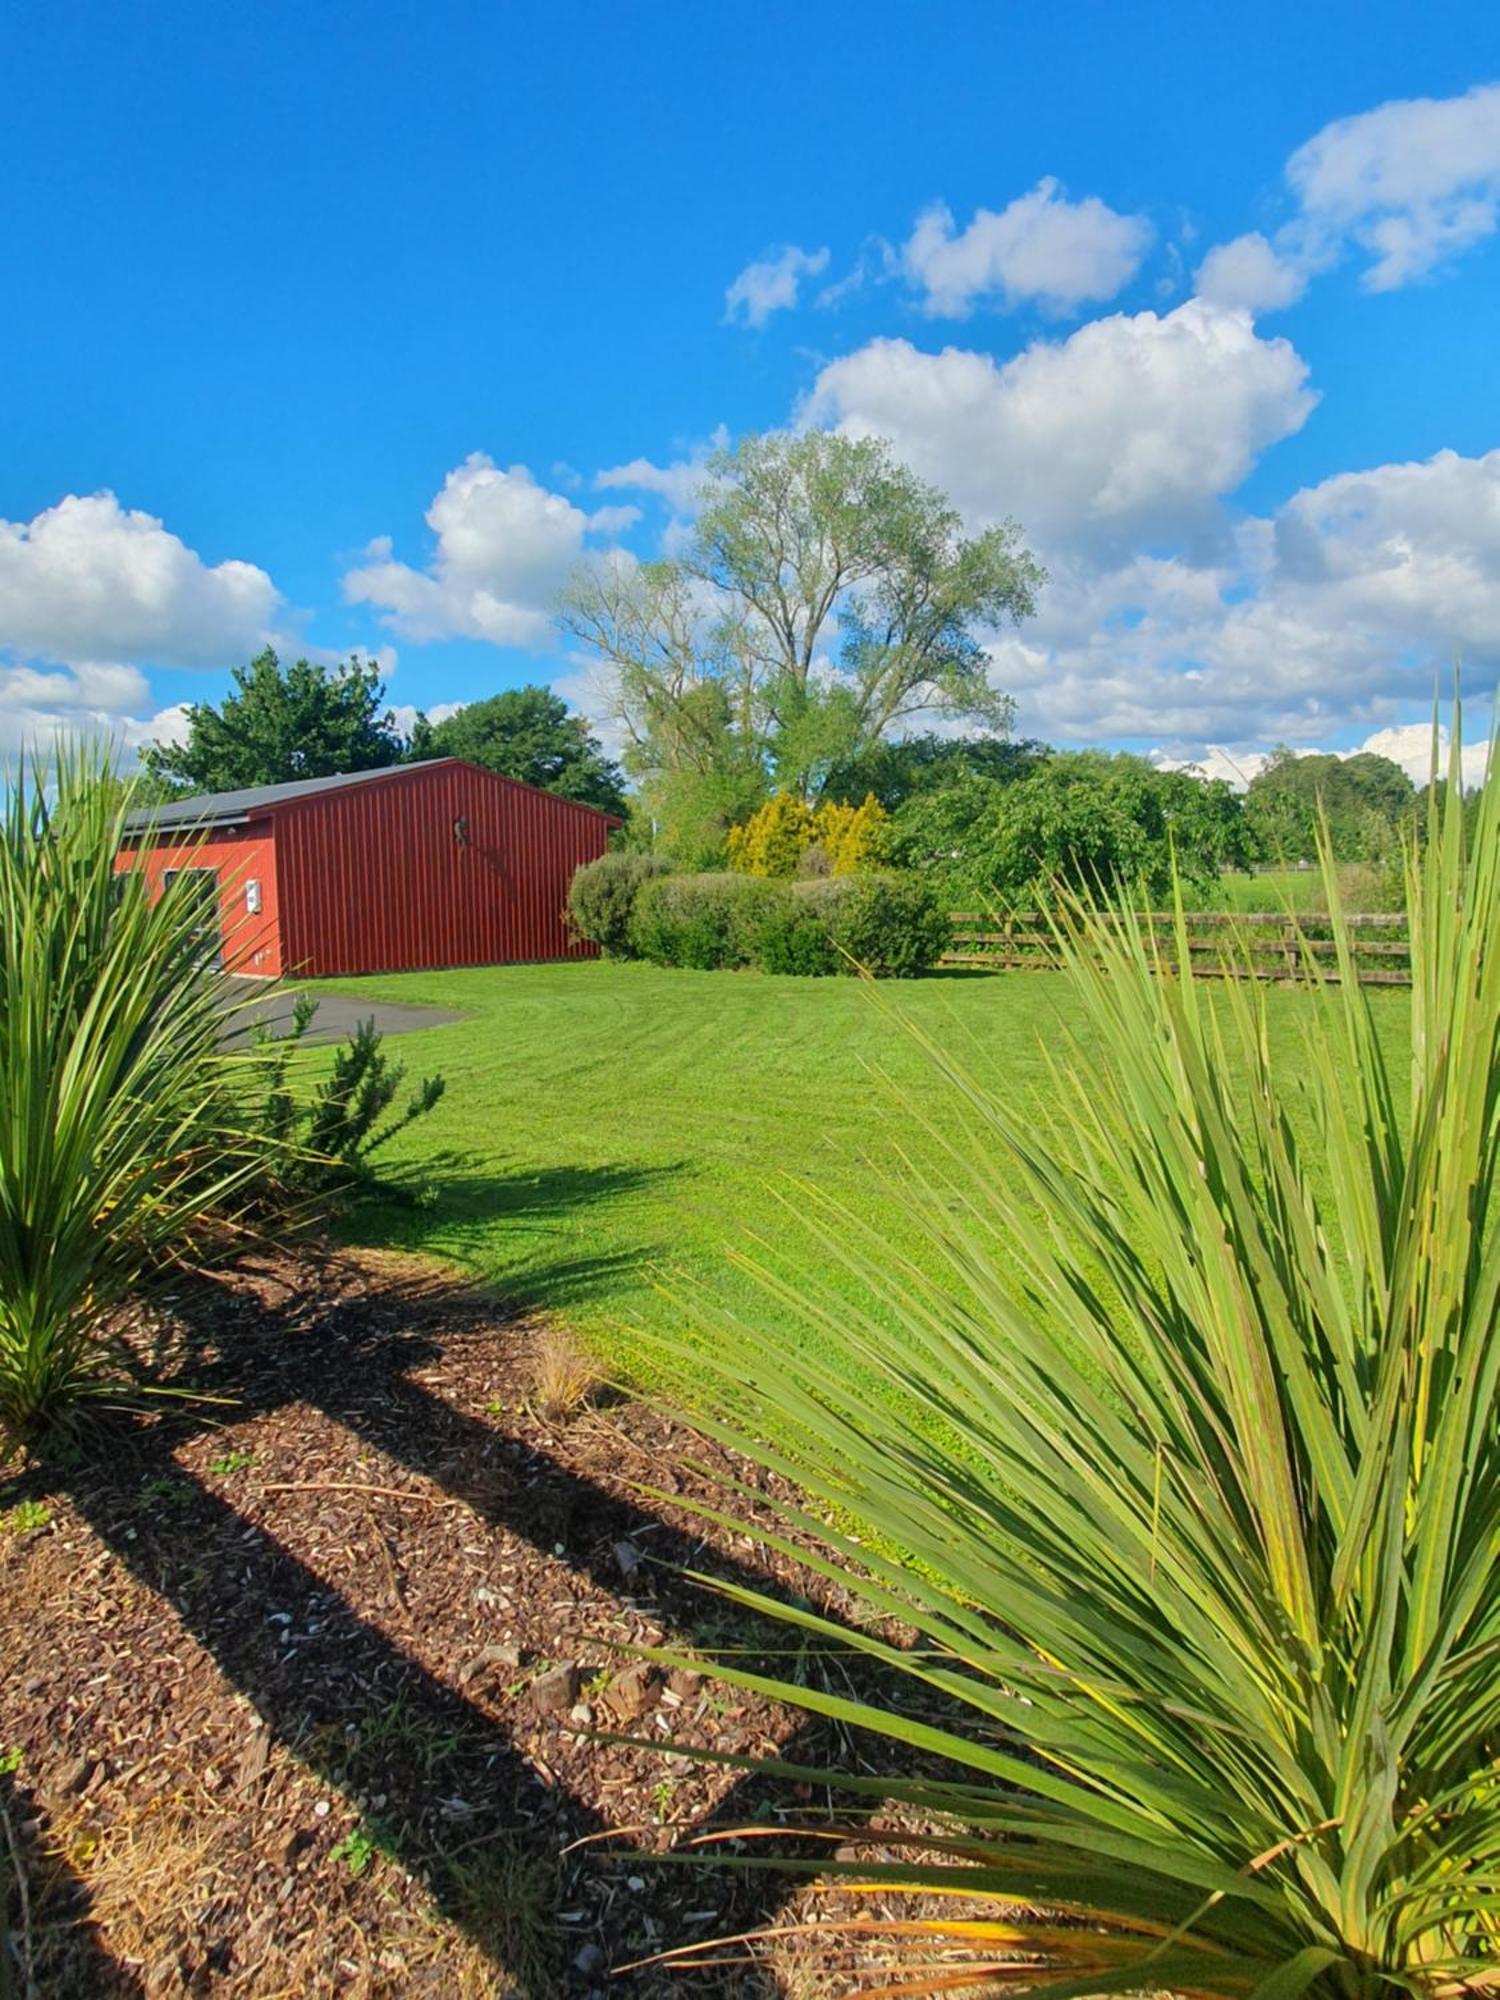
x,y
337,1017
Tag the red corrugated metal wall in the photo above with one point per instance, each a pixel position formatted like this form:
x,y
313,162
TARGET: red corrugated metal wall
x,y
238,855
376,879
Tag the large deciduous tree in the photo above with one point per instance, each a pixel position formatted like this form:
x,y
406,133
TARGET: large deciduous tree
x,y
826,597
282,723
527,733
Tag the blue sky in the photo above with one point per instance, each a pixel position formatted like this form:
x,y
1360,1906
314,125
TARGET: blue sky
x,y
1209,301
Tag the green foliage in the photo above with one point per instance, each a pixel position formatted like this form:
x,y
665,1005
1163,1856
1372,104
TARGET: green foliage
x,y
704,922
602,895
798,525
1086,820
120,1140
685,814
347,1122
719,657
527,733
506,1892
948,834
1473,805
793,934
231,1462
888,925
891,926
328,1137
1366,799
1179,1453
27,1517
356,1850
894,772
282,723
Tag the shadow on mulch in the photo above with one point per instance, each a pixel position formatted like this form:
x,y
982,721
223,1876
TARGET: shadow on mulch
x,y
425,1750
49,1943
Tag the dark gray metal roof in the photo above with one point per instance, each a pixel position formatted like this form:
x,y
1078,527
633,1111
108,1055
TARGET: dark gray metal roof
x,y
230,808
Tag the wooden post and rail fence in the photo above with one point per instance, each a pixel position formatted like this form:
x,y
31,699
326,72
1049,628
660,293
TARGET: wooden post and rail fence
x,y
1269,946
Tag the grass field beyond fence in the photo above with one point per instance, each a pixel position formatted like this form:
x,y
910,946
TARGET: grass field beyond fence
x,y
620,1123
1222,943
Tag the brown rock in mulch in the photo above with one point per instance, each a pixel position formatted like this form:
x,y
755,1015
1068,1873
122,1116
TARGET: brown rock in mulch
x,y
556,1691
266,1672
631,1694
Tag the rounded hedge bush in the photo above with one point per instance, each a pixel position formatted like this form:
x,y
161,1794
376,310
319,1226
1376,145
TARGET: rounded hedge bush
x,y
890,925
602,898
704,922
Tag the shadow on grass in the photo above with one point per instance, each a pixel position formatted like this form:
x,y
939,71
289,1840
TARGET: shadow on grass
x,y
463,1206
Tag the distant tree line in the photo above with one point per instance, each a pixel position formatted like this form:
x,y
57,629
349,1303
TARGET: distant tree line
x,y
823,639
981,814
280,723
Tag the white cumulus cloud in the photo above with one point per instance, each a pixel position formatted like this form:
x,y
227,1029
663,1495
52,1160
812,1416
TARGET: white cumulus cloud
x,y
1344,608
1126,430
771,284
1410,746
405,713
1413,183
89,579
680,482
1041,249
504,544
1252,274
39,706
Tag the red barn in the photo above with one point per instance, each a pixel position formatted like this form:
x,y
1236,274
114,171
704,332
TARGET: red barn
x,y
439,863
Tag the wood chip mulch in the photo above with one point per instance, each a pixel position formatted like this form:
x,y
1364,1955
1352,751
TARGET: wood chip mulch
x,y
300,1689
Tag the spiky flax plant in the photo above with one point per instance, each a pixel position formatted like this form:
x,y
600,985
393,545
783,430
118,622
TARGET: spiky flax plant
x,y
1177,1449
118,1122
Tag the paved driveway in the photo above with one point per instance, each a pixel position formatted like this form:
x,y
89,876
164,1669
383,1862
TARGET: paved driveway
x,y
338,1015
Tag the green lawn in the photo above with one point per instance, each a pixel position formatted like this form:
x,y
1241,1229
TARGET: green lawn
x,y
1293,889
617,1124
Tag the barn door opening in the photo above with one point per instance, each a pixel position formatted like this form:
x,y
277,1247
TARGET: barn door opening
x,y
201,887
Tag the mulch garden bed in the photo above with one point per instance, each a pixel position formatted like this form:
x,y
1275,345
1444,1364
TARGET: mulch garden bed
x,y
301,1689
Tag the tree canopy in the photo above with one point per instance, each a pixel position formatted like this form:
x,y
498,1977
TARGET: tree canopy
x,y
527,733
895,771
826,596
280,724
1086,819
1366,799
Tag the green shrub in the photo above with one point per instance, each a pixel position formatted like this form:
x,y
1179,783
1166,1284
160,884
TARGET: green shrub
x,y
330,1134
891,926
793,935
602,896
121,1132
705,922
1178,1451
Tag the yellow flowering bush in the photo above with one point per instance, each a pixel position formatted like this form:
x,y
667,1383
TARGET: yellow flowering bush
x,y
849,835
787,835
